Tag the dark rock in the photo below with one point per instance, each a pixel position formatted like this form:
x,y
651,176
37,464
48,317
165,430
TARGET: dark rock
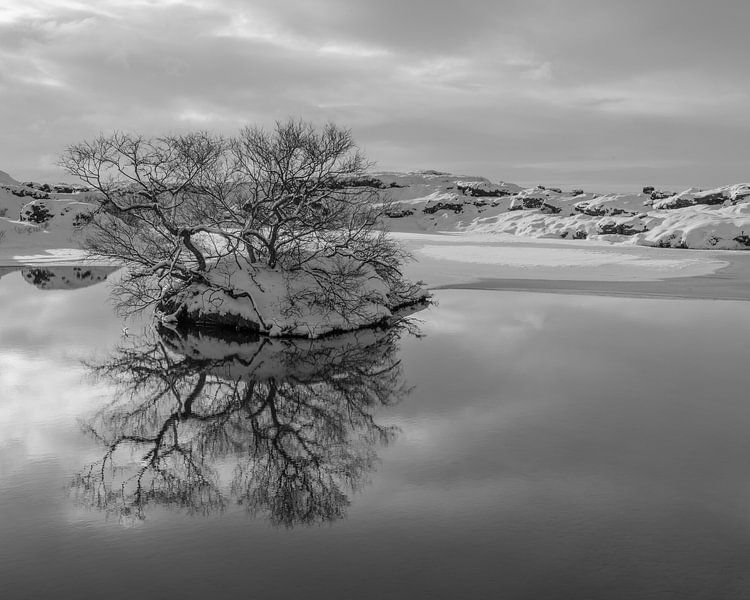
x,y
26,192
710,198
82,219
399,213
591,211
456,207
350,182
576,192
207,319
549,208
476,189
526,203
613,227
648,189
676,202
659,195
36,212
556,190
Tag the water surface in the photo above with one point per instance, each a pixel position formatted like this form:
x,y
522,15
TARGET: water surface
x,y
524,446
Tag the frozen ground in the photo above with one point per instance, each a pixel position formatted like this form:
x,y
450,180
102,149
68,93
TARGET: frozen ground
x,y
428,201
471,261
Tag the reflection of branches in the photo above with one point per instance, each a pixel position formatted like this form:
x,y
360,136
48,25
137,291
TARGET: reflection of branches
x,y
284,427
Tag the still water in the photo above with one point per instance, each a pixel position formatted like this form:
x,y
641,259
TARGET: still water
x,y
507,445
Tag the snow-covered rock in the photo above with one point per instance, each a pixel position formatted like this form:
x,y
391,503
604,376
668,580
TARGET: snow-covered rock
x,y
621,225
681,200
730,194
41,224
725,228
36,212
485,188
64,213
547,201
691,219
613,205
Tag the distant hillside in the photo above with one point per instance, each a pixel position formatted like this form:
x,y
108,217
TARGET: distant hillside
x,y
7,179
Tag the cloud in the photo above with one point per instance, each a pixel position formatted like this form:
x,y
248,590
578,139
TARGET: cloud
x,y
479,86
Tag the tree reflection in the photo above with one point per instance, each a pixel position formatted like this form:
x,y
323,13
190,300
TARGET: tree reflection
x,y
284,427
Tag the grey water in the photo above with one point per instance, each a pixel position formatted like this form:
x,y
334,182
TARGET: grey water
x,y
507,445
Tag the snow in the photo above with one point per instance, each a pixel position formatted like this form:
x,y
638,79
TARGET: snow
x,y
279,303
613,204
471,258
696,219
700,226
55,239
542,257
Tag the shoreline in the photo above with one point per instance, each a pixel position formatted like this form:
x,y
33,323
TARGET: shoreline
x,y
688,288
456,261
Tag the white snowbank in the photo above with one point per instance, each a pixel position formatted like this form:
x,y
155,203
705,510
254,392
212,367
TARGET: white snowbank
x,y
724,228
521,257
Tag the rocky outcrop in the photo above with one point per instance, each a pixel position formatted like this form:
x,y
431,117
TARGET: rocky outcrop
x,y
621,226
731,194
36,212
531,202
659,195
482,189
398,213
431,209
612,205
26,192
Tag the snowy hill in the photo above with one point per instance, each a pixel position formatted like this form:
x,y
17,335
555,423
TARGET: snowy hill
x,y
36,217
429,201
7,179
32,218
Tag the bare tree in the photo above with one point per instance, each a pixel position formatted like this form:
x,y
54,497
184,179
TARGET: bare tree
x,y
191,210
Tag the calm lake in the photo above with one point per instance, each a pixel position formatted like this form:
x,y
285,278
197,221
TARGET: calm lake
x,y
505,445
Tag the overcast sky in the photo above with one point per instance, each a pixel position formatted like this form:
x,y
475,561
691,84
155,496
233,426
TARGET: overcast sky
x,y
590,92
